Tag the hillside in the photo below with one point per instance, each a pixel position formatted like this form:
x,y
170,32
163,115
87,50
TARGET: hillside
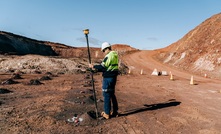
x,y
20,45
198,51
29,56
15,44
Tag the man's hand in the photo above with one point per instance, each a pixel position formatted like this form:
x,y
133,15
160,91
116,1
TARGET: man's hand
x,y
91,66
92,69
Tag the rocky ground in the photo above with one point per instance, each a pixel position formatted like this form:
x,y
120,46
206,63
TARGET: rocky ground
x,y
44,100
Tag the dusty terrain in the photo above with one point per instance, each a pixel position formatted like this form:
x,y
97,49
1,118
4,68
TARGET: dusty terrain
x,y
147,104
52,93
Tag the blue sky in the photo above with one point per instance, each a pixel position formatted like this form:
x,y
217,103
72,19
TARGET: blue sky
x,y
143,24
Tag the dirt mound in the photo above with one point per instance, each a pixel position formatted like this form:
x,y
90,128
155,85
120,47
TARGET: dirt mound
x,y
198,51
34,82
9,81
45,78
16,76
123,69
49,74
122,48
37,64
4,91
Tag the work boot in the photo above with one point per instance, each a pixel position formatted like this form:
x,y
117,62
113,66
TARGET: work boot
x,y
114,114
106,116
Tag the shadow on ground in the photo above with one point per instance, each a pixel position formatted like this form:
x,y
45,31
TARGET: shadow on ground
x,y
147,107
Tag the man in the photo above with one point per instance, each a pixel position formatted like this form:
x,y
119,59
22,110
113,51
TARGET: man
x,y
109,67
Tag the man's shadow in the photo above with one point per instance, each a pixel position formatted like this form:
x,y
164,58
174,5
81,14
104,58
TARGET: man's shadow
x,y
150,107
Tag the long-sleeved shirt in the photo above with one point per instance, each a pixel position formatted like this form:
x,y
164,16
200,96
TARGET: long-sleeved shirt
x,y
109,65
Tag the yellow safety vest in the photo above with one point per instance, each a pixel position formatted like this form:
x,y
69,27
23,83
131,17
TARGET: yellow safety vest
x,y
111,64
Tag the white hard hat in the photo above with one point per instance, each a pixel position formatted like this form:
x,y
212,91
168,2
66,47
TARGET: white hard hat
x,y
105,45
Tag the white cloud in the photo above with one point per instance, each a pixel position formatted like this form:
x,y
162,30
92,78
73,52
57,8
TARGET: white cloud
x,y
93,41
152,39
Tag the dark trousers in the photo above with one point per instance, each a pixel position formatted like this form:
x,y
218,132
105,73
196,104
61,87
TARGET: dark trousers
x,y
108,88
108,98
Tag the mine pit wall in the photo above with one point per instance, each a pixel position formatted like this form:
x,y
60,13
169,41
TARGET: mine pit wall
x,y
209,64
21,46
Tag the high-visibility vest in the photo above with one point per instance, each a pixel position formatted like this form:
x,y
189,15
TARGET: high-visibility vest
x,y
110,61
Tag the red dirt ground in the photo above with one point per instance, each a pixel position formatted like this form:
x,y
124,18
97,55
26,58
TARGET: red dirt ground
x,y
147,104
